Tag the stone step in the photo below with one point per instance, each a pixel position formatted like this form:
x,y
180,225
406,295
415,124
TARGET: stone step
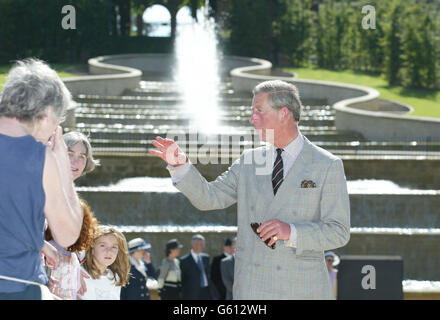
x,y
85,107
120,163
172,87
131,111
175,91
352,143
178,119
170,102
158,101
146,200
122,137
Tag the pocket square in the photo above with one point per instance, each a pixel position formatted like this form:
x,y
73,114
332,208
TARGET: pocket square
x,y
308,184
254,227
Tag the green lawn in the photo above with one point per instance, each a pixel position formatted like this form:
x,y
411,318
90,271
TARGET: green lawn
x,y
4,69
426,103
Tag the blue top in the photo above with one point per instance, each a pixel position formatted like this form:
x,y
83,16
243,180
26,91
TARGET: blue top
x,y
22,201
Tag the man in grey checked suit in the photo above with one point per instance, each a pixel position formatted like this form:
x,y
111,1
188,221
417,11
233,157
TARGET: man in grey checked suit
x,y
295,189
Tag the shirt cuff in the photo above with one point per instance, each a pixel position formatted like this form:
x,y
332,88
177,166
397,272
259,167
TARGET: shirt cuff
x,y
291,243
179,172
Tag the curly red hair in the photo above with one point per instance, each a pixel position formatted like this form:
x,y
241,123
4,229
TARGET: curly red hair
x,y
88,232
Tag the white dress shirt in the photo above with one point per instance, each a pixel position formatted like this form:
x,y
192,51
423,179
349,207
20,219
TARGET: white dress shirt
x,y
103,288
289,155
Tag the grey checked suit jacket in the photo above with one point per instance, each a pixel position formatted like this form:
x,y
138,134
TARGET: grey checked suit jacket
x,y
321,216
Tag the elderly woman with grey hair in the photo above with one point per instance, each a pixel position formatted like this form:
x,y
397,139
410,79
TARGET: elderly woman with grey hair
x,y
36,181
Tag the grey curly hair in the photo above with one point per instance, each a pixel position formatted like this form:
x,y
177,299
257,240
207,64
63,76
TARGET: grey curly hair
x,y
31,87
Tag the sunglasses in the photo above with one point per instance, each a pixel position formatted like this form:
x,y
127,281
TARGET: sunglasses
x,y
254,226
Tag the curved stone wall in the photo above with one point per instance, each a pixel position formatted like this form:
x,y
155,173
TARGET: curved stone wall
x,y
358,108
106,78
385,126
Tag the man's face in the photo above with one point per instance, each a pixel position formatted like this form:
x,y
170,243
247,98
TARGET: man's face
x,y
199,246
230,249
264,118
329,263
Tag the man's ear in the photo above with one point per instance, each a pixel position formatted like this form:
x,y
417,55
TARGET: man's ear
x,y
285,113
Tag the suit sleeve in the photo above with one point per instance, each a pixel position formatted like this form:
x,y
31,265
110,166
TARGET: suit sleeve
x,y
164,268
151,271
218,194
333,229
226,275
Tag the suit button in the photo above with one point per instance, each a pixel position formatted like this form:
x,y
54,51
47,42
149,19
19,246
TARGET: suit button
x,y
142,287
142,295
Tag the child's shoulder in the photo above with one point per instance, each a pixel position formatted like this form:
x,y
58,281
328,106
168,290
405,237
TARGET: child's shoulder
x,y
84,270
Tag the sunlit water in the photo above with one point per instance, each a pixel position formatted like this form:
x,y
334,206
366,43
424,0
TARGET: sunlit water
x,y
197,71
150,184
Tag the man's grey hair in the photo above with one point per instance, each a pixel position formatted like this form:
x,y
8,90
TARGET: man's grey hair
x,y
72,138
281,94
31,87
197,237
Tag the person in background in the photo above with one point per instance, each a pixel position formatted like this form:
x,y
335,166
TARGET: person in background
x,y
65,280
141,271
107,265
332,260
227,265
195,271
216,277
35,179
170,279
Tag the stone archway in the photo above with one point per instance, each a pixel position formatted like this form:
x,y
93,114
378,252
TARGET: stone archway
x,y
173,7
158,17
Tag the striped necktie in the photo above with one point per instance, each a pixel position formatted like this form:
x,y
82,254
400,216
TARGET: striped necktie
x,y
278,172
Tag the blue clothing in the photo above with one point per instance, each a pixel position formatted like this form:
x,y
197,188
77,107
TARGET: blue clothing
x,y
22,201
137,289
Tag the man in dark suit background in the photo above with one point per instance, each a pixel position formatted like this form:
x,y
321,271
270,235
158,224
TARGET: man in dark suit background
x,y
195,271
216,277
227,266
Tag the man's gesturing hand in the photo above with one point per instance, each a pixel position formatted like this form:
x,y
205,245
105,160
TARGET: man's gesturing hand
x,y
169,152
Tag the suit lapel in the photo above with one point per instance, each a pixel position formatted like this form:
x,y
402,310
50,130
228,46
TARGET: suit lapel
x,y
292,179
264,181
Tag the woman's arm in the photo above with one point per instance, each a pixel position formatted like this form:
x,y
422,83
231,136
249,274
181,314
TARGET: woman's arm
x,y
62,207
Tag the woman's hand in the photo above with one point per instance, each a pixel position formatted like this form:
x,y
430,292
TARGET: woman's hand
x,y
83,288
50,255
147,257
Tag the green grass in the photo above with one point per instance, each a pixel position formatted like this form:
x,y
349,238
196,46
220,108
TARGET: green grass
x,y
4,69
426,103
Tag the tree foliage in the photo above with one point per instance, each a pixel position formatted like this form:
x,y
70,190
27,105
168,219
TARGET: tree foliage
x,y
403,46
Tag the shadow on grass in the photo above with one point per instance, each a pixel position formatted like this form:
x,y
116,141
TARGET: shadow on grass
x,y
429,94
